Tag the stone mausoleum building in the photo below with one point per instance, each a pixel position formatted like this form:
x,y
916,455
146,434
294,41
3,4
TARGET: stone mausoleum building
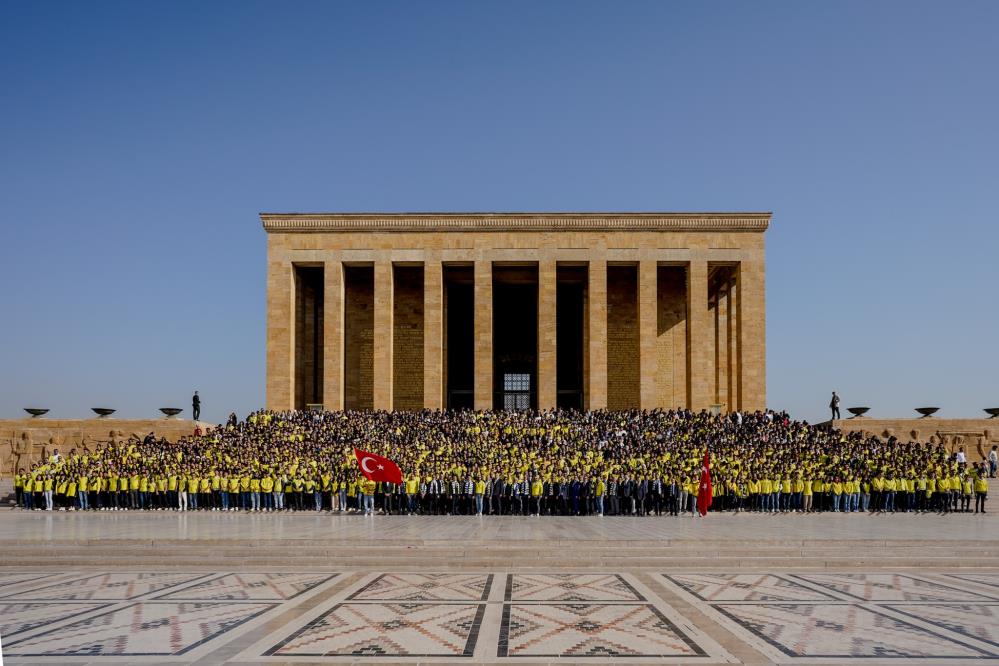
x,y
514,310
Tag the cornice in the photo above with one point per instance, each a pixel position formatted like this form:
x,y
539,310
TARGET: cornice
x,y
441,222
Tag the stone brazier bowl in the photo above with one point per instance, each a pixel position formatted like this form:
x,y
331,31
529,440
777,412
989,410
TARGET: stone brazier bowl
x,y
927,411
858,411
102,411
171,411
993,412
36,411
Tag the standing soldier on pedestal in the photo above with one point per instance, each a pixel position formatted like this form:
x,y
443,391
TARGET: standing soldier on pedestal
x,y
833,405
196,406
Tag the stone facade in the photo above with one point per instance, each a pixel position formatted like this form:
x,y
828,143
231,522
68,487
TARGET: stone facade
x,y
25,441
673,309
975,436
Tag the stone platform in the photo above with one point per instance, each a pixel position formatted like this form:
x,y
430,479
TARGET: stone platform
x,y
300,540
241,589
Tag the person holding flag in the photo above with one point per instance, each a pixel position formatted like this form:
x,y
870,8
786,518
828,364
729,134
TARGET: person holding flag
x,y
704,490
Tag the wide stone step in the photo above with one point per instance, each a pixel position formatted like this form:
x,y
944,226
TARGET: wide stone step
x,y
572,555
421,564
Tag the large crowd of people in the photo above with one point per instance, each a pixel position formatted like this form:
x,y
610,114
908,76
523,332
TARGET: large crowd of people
x,y
558,462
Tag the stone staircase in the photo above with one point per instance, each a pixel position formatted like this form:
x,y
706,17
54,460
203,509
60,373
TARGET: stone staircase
x,y
522,555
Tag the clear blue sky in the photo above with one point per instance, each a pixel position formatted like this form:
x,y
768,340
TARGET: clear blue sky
x,y
141,139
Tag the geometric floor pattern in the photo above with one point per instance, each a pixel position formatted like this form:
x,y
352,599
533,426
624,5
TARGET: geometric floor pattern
x,y
250,587
19,616
103,587
144,628
78,618
979,621
426,587
746,587
842,631
591,630
401,629
569,587
891,587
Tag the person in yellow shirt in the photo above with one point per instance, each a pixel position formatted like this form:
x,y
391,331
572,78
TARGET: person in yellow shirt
x,y
182,484
19,479
943,494
254,494
267,492
412,484
599,490
837,494
806,495
480,493
967,488
981,488
367,490
82,490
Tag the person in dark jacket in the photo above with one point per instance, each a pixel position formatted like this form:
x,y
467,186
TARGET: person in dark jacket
x,y
196,406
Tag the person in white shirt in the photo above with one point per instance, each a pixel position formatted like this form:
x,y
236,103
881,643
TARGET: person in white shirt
x,y
961,458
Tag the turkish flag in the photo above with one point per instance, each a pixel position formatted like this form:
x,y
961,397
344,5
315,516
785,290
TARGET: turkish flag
x,y
376,468
704,492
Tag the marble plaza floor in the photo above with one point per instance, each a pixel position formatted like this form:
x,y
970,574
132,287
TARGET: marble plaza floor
x,y
320,617
135,605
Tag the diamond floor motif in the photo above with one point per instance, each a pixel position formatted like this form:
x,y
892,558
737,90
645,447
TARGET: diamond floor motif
x,y
591,630
842,631
144,628
569,587
745,587
387,630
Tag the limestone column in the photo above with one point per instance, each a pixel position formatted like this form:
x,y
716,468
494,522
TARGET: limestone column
x,y
280,333
723,366
433,334
547,368
699,365
597,325
382,334
648,330
333,333
483,331
753,338
735,367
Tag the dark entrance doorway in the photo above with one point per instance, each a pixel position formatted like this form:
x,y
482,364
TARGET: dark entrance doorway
x,y
459,337
569,300
515,337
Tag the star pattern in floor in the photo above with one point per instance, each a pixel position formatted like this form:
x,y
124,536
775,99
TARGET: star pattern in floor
x,y
697,617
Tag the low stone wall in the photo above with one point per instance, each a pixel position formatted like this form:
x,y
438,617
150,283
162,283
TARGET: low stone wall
x,y
24,441
977,436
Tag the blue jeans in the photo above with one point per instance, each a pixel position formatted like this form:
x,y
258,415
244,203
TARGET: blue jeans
x,y
600,505
369,503
889,500
478,504
317,496
225,500
192,500
255,500
81,500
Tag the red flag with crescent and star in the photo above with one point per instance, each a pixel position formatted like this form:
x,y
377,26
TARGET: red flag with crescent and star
x,y
378,468
704,492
